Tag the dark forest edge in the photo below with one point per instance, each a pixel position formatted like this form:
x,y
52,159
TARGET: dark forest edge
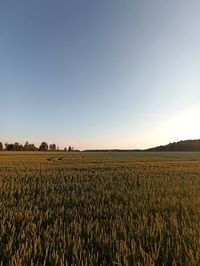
x,y
184,145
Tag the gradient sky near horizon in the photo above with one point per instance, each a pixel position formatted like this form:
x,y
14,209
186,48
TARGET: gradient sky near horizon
x,y
99,74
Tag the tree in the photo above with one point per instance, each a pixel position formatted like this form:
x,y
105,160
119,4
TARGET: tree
x,y
1,146
9,147
16,146
52,147
21,147
26,146
69,149
31,147
43,146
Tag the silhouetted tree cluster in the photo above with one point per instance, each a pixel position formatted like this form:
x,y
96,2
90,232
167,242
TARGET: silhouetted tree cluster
x,y
70,148
52,147
31,147
19,147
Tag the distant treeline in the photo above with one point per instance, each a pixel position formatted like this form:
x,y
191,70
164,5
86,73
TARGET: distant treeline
x,y
113,150
31,147
186,145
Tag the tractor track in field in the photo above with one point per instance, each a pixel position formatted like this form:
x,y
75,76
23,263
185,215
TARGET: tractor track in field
x,y
56,158
51,158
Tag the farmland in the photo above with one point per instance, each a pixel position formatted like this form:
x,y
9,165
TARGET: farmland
x,y
99,208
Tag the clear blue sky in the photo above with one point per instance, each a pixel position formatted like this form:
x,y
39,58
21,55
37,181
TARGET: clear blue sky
x,y
99,74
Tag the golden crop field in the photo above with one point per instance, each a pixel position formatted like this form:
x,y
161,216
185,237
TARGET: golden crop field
x,y
99,208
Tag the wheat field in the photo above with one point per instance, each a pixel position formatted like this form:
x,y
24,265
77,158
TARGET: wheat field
x,y
99,208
